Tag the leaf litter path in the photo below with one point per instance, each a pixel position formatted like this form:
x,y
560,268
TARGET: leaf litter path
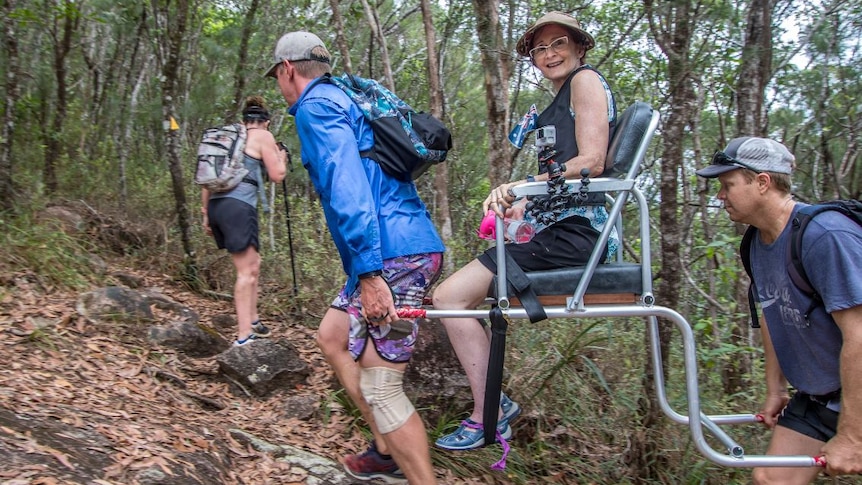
x,y
149,404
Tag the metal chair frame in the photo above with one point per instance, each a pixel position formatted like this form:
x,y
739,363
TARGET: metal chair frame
x,y
625,189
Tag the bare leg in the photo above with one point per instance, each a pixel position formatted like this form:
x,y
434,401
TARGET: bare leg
x,y
332,340
247,264
410,442
785,441
467,289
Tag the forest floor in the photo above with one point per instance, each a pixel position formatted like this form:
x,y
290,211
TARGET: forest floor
x,y
60,367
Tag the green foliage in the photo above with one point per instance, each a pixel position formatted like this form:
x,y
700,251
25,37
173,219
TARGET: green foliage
x,y
582,380
41,250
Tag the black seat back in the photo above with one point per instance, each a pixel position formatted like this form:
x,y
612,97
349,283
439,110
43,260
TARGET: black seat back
x,y
628,134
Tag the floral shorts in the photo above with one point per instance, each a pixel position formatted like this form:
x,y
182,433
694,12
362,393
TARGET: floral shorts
x,y
409,278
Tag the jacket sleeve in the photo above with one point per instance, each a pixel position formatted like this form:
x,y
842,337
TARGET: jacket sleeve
x,y
331,154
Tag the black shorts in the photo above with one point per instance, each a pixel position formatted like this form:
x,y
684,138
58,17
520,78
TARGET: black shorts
x,y
234,224
810,416
566,243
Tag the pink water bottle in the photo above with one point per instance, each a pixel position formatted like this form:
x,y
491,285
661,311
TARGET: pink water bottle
x,y
517,231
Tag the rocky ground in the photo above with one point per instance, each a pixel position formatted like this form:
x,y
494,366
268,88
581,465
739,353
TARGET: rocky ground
x,y
95,403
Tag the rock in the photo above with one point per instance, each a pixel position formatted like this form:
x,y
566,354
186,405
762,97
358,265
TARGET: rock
x,y
300,407
82,455
175,310
69,221
317,469
114,303
264,366
224,322
435,380
193,339
128,279
97,264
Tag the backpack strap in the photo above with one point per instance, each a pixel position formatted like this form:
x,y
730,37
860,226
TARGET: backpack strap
x,y
794,252
745,255
327,78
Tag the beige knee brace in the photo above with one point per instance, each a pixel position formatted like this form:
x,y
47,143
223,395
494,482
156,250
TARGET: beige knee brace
x,y
383,391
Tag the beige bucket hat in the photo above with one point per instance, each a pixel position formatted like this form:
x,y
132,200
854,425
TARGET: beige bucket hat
x,y
525,43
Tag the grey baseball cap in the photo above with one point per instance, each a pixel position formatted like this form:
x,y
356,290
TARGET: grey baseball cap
x,y
758,154
298,46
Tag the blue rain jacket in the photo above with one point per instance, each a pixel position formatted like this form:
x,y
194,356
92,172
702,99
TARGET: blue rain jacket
x,y
372,216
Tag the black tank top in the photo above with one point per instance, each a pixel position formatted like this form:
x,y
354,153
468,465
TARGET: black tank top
x,y
559,113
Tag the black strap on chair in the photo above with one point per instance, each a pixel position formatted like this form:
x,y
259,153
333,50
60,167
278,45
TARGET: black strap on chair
x,y
494,379
520,285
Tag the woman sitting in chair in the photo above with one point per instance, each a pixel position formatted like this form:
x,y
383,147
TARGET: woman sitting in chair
x,y
583,114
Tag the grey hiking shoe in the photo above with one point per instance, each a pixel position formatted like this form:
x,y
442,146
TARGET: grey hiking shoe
x,y
260,329
251,338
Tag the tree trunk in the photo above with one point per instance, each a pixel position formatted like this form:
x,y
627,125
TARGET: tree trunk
x,y
377,33
671,25
441,172
69,15
242,62
340,39
754,74
175,28
10,101
756,69
496,64
132,82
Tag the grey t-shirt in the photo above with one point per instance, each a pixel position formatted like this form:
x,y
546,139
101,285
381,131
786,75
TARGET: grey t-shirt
x,y
808,350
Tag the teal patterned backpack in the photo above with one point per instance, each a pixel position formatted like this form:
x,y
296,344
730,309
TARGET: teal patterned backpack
x,y
406,142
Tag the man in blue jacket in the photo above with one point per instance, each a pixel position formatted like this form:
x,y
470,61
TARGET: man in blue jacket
x,y
390,251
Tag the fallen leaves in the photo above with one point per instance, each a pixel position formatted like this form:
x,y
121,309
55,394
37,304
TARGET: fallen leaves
x,y
151,405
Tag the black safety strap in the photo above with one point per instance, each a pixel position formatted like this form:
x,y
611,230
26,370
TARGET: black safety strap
x,y
494,379
520,285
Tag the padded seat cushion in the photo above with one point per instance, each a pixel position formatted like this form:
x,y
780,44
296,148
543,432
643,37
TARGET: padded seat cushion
x,y
608,278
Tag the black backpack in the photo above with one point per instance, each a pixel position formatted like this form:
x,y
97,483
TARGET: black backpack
x,y
851,208
406,142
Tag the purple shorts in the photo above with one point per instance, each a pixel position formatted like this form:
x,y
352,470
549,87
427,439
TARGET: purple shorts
x,y
410,278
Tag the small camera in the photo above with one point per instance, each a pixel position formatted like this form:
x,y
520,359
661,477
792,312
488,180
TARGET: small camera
x,y
546,136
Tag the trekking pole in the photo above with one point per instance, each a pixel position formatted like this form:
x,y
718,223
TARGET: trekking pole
x,y
287,218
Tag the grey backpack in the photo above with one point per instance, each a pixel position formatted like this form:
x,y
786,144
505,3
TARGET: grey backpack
x,y
220,165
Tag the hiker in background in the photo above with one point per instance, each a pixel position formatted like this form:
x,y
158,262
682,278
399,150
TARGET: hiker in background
x,y
389,250
819,356
231,217
557,46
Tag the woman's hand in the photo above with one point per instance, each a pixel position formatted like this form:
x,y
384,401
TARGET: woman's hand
x,y
206,223
500,199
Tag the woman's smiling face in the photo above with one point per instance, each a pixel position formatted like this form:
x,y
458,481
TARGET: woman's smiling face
x,y
556,58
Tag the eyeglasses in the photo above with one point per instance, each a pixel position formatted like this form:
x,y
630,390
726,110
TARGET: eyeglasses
x,y
721,158
556,45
